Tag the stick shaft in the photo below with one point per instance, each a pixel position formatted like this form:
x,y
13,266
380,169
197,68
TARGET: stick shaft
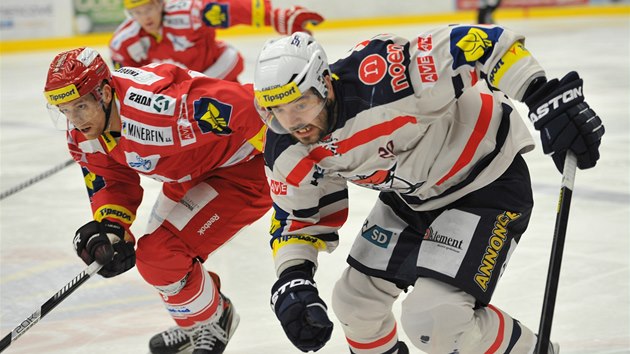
x,y
555,261
49,305
36,179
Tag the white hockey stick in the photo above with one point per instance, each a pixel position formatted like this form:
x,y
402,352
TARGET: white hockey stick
x,y
49,305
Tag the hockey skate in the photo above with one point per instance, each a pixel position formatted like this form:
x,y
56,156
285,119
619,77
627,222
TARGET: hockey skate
x,y
206,338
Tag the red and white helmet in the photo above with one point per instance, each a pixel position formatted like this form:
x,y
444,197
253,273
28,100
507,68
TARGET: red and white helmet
x,y
73,74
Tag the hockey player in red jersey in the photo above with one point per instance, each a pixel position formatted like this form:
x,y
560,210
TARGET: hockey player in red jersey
x,y
183,32
202,138
428,123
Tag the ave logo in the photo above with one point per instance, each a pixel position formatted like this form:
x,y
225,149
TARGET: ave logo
x,y
278,188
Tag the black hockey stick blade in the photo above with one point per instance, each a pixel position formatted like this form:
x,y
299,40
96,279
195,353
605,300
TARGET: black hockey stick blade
x,y
555,261
49,305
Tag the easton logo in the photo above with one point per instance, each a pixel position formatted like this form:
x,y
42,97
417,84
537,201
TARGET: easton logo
x,y
554,103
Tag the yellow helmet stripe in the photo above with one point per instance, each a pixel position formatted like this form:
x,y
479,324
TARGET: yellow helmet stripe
x,y
62,95
278,95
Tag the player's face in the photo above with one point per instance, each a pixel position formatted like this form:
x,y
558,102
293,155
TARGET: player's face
x,y
149,16
305,118
85,114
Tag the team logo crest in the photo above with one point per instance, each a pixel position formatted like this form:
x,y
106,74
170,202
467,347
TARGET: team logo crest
x,y
216,15
93,182
471,44
213,116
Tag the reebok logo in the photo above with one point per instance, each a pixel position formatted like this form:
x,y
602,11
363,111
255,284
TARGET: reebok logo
x,y
214,218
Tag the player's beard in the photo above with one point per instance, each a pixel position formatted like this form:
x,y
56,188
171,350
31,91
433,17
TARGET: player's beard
x,y
320,127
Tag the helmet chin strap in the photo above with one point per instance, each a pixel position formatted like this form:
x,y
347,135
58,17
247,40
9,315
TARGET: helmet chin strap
x,y
331,115
108,113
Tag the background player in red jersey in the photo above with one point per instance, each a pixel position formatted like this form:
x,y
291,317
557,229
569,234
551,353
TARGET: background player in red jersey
x,y
183,32
202,138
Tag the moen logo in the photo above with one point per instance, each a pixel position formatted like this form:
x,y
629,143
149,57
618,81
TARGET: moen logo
x,y
554,103
495,245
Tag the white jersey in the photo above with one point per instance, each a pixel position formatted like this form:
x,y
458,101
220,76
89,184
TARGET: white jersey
x,y
427,119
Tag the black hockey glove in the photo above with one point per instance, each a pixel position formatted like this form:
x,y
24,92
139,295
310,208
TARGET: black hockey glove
x,y
105,243
302,313
565,121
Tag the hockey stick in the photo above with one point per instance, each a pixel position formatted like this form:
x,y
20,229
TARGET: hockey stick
x,y
36,179
553,273
49,305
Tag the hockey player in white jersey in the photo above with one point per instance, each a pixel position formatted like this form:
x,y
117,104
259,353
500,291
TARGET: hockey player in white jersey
x,y
429,124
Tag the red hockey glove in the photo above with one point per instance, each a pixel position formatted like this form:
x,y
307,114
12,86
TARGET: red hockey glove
x,y
107,243
294,19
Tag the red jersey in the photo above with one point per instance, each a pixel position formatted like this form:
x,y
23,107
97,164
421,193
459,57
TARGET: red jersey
x,y
177,127
188,34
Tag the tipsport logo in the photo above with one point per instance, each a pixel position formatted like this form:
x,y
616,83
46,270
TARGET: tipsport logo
x,y
62,95
213,116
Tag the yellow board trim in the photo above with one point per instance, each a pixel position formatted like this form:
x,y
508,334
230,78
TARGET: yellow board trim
x,y
258,13
102,39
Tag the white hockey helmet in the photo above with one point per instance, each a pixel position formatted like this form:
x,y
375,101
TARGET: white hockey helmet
x,y
286,69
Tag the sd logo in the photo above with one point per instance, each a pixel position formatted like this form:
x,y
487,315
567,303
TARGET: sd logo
x,y
377,235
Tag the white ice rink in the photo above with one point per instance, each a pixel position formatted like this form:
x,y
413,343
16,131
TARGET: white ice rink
x,y
119,315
